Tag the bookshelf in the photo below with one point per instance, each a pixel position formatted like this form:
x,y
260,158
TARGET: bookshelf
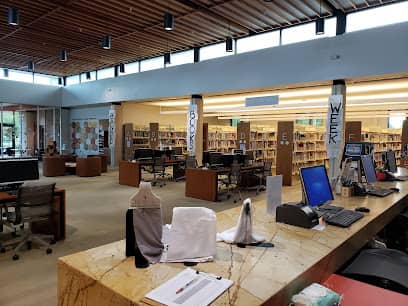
x,y
141,137
222,138
173,136
263,142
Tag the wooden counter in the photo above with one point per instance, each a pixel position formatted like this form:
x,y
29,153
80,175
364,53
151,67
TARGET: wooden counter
x,y
104,276
59,230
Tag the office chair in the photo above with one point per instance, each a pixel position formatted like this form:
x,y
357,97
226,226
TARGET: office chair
x,y
189,163
34,204
235,180
158,170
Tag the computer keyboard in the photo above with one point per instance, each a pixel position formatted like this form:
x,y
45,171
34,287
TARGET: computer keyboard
x,y
327,210
379,192
344,218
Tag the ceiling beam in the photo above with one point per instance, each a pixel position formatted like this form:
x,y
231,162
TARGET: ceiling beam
x,y
207,10
332,8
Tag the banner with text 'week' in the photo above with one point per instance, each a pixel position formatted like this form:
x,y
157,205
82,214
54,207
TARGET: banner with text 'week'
x,y
334,126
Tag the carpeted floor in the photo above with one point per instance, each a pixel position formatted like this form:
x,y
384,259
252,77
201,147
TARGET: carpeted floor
x,y
95,215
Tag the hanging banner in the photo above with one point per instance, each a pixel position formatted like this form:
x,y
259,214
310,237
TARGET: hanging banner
x,y
192,118
334,126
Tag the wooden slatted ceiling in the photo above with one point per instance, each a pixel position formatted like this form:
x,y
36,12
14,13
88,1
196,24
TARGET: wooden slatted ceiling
x,y
136,27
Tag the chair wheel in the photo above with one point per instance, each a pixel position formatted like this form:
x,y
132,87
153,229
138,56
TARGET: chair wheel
x,y
2,250
16,257
29,245
48,251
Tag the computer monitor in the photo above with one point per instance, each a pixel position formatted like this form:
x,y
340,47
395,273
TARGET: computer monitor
x,y
178,150
240,158
391,161
17,170
237,151
347,171
368,167
159,153
215,158
315,185
144,153
206,157
227,160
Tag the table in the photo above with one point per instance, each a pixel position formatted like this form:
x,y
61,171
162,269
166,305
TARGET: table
x,y
104,276
203,183
59,231
130,173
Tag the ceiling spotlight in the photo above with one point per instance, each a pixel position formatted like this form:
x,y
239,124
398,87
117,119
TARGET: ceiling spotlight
x,y
107,42
13,16
63,55
30,66
229,44
320,26
122,68
167,58
5,72
168,21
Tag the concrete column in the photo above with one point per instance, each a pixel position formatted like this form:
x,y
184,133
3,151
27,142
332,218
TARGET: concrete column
x,y
338,88
115,134
198,100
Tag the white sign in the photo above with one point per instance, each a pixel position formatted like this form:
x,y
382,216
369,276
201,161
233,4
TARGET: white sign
x,y
273,193
192,118
334,126
262,101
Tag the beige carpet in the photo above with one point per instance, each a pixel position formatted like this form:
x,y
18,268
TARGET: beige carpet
x,y
96,210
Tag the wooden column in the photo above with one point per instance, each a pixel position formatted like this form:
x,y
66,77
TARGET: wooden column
x,y
153,135
353,131
284,152
205,136
243,135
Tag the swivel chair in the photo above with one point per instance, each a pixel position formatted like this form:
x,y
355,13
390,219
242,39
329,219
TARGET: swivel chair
x,y
34,204
158,170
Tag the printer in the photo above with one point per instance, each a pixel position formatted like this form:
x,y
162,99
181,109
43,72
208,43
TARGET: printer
x,y
297,214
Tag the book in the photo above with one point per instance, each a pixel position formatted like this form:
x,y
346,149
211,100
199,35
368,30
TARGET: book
x,y
189,287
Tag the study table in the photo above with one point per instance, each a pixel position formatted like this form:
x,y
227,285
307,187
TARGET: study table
x,y
104,276
203,183
59,230
130,172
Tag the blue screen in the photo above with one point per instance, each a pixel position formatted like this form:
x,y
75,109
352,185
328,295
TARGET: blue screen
x,y
316,185
369,169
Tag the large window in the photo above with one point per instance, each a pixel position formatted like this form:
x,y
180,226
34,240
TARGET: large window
x,y
152,63
106,73
180,58
213,51
92,75
308,32
21,76
395,122
45,79
73,79
256,42
377,17
131,68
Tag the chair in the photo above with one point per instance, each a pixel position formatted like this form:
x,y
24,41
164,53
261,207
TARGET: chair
x,y
235,180
191,162
158,170
34,204
54,165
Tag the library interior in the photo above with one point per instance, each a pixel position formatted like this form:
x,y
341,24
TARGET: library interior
x,y
197,152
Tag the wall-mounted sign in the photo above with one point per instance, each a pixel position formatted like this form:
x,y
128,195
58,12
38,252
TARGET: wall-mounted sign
x,y
334,126
192,118
262,101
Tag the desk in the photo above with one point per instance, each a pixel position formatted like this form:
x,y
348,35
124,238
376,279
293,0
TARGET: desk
x,y
203,183
104,276
45,227
130,173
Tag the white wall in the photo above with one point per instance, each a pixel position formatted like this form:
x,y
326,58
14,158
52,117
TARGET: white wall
x,y
364,53
90,112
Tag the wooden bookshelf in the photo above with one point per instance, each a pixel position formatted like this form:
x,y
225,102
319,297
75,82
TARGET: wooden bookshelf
x,y
141,137
222,138
263,142
173,136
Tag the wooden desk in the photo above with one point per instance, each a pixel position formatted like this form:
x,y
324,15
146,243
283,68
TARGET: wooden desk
x,y
104,276
130,173
203,183
46,227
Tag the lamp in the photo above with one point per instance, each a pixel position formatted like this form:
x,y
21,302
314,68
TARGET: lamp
x,y
107,42
168,21
320,22
63,55
229,44
5,72
30,66
167,59
122,68
13,16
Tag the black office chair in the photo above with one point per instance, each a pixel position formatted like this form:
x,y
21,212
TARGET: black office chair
x,y
34,204
235,179
190,162
159,171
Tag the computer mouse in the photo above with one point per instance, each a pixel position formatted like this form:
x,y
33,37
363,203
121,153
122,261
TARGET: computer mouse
x,y
395,189
362,209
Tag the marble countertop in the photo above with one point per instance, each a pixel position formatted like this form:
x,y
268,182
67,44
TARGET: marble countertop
x,y
260,275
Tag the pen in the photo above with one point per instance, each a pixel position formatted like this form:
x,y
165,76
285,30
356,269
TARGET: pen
x,y
186,285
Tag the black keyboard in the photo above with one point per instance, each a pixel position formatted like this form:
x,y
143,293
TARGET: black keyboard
x,y
380,192
344,218
327,210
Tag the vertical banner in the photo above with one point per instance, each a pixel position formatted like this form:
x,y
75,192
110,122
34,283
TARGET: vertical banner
x,y
192,118
112,133
334,126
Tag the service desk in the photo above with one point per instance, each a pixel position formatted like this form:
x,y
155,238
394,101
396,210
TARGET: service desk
x,y
130,172
104,276
59,230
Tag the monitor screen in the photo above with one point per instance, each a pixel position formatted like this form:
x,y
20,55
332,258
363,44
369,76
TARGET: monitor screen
x,y
240,158
227,160
143,153
353,149
368,167
316,186
215,158
392,163
17,170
